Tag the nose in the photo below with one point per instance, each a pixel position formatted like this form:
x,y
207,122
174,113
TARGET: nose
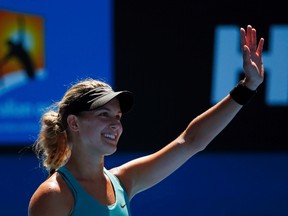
x,y
116,125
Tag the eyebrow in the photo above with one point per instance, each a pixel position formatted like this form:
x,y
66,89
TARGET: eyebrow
x,y
105,109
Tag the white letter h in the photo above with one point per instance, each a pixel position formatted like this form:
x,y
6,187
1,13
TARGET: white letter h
x,y
228,64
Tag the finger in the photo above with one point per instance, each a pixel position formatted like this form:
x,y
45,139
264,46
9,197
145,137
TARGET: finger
x,y
260,47
246,54
248,36
253,40
242,38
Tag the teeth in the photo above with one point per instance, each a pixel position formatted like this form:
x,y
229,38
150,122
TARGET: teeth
x,y
110,136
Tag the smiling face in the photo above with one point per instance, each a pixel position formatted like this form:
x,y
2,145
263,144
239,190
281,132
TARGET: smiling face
x,y
99,130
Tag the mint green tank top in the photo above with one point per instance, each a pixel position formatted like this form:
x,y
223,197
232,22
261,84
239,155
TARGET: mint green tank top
x,y
86,205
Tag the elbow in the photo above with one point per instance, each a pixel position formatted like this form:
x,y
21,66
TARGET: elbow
x,y
196,143
198,146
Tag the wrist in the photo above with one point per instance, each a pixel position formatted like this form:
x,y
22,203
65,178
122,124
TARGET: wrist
x,y
250,84
242,93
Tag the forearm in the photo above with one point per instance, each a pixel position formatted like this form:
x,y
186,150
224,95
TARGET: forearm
x,y
209,124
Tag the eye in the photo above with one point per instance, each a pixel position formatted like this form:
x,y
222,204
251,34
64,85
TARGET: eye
x,y
106,114
109,114
118,117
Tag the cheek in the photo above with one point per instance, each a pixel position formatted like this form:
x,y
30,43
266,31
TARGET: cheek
x,y
90,134
120,130
88,128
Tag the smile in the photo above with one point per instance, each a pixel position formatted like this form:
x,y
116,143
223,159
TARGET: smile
x,y
110,136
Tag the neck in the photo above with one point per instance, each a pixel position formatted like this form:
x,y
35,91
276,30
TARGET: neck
x,y
84,168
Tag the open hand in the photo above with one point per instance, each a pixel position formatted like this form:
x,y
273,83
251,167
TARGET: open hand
x,y
252,57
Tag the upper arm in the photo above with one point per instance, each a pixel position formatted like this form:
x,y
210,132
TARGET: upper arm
x,y
144,172
51,198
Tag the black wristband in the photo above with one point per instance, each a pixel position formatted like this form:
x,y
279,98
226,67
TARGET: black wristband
x,y
241,94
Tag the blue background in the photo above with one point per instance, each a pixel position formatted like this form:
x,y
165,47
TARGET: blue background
x,y
159,49
222,184
78,44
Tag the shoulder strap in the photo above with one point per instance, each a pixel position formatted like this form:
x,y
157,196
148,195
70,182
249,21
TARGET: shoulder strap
x,y
69,179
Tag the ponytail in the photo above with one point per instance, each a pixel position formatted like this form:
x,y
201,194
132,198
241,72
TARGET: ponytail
x,y
52,146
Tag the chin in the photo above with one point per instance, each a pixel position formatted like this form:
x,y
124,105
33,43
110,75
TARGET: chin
x,y
111,150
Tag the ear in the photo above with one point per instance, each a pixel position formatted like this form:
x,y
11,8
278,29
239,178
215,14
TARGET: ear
x,y
72,122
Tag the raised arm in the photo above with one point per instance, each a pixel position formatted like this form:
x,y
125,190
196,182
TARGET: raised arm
x,y
208,125
142,173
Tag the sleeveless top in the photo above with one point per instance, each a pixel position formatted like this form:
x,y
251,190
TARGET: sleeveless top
x,y
85,204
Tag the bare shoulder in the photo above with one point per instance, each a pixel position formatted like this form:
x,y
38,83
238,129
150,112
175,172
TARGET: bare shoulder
x,y
125,177
52,197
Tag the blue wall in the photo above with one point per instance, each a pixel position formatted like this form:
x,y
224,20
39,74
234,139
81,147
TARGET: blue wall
x,y
152,42
208,184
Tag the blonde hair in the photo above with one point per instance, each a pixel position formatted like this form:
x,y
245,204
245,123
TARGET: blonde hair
x,y
52,145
